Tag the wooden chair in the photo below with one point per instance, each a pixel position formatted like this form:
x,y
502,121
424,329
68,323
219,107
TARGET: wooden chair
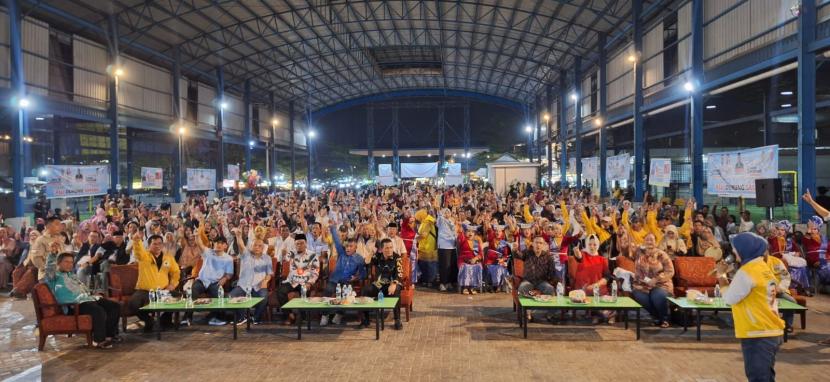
x,y
272,289
407,287
51,320
121,281
518,276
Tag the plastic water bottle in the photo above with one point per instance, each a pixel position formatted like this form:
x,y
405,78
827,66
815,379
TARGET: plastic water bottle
x,y
717,294
348,291
152,294
560,291
614,289
596,294
189,302
248,295
303,293
220,294
338,292
380,296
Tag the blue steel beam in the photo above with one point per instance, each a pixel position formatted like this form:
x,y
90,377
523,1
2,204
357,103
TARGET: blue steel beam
x,y
272,111
806,105
467,138
548,133
696,106
18,115
563,129
602,98
112,81
537,121
220,125
309,143
442,126
578,119
396,157
639,138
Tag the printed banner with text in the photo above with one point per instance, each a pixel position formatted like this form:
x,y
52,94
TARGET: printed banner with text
x,y
733,173
233,172
618,167
74,181
201,179
590,169
151,177
659,174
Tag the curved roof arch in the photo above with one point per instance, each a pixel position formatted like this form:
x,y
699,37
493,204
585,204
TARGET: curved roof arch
x,y
319,53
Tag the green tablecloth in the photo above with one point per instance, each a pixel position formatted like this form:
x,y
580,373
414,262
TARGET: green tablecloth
x,y
621,303
683,303
297,303
214,305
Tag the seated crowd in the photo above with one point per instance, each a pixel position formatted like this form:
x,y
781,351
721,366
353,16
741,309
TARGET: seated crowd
x,y
384,240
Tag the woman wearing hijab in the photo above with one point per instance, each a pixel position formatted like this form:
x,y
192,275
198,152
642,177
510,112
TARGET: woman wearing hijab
x,y
497,257
589,270
672,243
469,260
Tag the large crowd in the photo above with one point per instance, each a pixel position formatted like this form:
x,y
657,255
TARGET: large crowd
x,y
453,239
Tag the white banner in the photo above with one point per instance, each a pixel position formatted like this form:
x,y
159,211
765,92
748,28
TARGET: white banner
x,y
201,179
151,177
385,169
233,172
419,170
228,183
453,180
618,167
659,173
386,180
590,169
453,169
73,181
571,166
733,173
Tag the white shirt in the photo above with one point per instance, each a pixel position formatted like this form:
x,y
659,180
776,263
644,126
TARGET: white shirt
x,y
279,244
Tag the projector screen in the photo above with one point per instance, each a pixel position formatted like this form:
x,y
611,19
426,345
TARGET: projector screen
x,y
419,170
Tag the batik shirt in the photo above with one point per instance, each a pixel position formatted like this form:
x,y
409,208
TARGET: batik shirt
x,y
304,268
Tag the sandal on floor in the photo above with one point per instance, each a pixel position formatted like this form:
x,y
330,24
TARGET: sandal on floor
x,y
665,325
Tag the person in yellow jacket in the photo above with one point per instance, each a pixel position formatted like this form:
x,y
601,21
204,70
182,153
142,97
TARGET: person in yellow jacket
x,y
156,270
752,295
427,246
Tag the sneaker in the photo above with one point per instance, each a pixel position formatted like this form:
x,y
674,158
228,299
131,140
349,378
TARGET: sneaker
x,y
216,322
241,322
324,320
398,325
185,322
257,322
473,291
465,291
442,288
106,344
338,319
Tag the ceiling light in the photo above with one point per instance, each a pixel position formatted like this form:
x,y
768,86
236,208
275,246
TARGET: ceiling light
x,y
252,143
223,105
312,133
119,72
39,118
688,86
23,103
598,122
275,122
573,96
787,93
528,129
787,105
711,107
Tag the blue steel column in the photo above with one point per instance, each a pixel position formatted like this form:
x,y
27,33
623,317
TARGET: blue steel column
x,y
696,106
220,124
113,104
467,153
370,140
291,143
246,124
177,114
602,88
537,121
396,156
806,105
548,133
18,115
639,138
563,129
129,141
272,111
309,142
528,113
442,124
578,119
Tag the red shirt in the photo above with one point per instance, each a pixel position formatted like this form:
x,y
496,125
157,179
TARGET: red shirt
x,y
589,270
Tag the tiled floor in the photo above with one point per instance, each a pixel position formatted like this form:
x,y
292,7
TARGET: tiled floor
x,y
450,337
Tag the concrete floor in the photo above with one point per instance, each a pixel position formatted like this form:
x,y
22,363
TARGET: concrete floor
x,y
449,337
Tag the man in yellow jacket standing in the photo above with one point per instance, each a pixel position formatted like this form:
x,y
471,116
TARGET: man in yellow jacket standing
x,y
156,270
752,295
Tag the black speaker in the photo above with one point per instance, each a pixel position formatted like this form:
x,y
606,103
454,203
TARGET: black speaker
x,y
768,193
